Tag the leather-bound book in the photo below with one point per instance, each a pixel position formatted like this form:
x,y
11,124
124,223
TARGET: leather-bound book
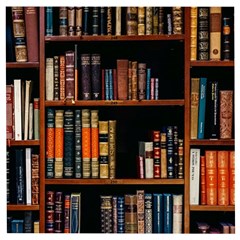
x,y
50,138
141,81
86,22
211,177
31,22
66,214
215,33
62,77
68,162
167,212
226,113
58,226
56,78
157,213
156,154
49,213
95,21
103,21
10,51
134,80
120,215
161,20
132,23
140,211
106,214
71,21
112,148
35,179
75,213
130,201
177,19
226,39
69,75
141,21
63,21
163,146
175,151
19,33
149,20
232,177
85,77
59,143
49,79
79,17
193,33
36,116
177,213
148,209
115,89
114,213
28,218
155,19
9,107
109,20
49,21
129,80
170,163
118,21
203,196
96,76
78,143
180,159
122,78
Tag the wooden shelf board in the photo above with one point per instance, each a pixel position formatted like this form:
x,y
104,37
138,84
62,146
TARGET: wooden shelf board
x,y
165,102
213,142
22,142
15,207
114,181
22,65
212,208
212,63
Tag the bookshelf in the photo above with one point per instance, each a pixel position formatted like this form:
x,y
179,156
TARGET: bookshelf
x,y
135,118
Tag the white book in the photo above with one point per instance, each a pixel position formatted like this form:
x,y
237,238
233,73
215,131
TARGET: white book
x,y
177,213
148,159
28,158
26,115
194,176
17,110
30,128
49,79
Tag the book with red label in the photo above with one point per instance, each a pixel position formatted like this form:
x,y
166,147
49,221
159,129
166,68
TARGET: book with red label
x,y
232,177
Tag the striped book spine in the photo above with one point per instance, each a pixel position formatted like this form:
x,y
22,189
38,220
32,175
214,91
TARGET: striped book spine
x,y
149,20
58,228
180,158
148,202
106,214
130,202
175,151
114,213
86,16
110,77
163,146
63,19
71,21
161,20
95,21
141,21
120,215
56,78
141,81
69,75
35,179
156,154
78,143
66,226
140,211
177,213
109,20
49,79
62,77
49,214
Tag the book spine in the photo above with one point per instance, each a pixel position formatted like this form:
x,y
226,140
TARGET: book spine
x,y
167,213
169,23
17,225
109,20
203,197
177,20
10,51
226,33
202,108
58,212
8,176
148,83
85,76
26,109
106,81
75,213
114,213
106,214
70,75
175,152
86,23
157,213
103,21
140,211
66,226
215,33
149,20
120,215
118,20
49,214
163,145
79,24
194,175
68,162
152,81
50,133
148,204
17,110
49,21
203,33
95,21
62,77
193,33
56,78
63,21
86,143
232,177
141,21
131,20
141,159
78,143
49,79
28,175
31,22
223,177
211,177
59,143
71,21
156,89
177,213
134,81
226,113
35,179
155,20
36,117
148,156
10,111
30,129
141,81
28,226
96,76
161,21
122,78
112,148
180,159
170,163
130,202
115,96
110,76
156,154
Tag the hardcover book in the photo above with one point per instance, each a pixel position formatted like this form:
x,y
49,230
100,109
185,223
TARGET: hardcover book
x,y
132,24
62,65
78,143
167,213
96,76
232,177
177,213
70,75
10,111
36,117
28,175
122,79
140,211
58,227
95,21
131,223
106,214
85,76
63,21
149,20
157,213
163,145
49,79
35,179
141,21
203,196
49,21
193,33
79,19
112,148
226,39
28,218
56,89
71,21
66,214
120,215
177,20
75,213
17,110
148,203
141,81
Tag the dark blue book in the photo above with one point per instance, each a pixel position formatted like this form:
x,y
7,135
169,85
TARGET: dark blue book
x,y
148,202
148,84
110,74
9,223
10,52
86,22
167,213
28,222
68,165
49,21
175,151
103,21
202,107
157,213
95,21
120,215
78,144
75,213
107,90
170,163
17,226
86,76
96,76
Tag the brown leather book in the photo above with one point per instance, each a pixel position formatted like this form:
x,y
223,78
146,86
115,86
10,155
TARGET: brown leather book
x,y
35,179
31,23
112,125
122,79
140,211
132,23
232,177
131,222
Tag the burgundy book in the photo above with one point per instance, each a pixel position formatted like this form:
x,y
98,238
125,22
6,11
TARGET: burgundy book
x,y
122,78
85,76
70,77
31,24
9,100
61,77
35,179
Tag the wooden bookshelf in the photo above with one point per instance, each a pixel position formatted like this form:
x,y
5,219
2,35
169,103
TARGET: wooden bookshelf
x,y
15,207
212,208
212,63
22,142
209,142
22,65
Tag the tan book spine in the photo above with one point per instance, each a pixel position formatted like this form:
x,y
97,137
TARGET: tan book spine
x,y
134,80
118,21
79,13
71,21
130,202
163,143
132,24
112,148
122,78
9,108
49,79
26,115
215,33
177,213
232,177
193,33
149,20
140,211
141,20
63,15
177,20
30,128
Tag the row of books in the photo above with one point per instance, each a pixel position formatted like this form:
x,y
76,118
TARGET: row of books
x,y
66,77
212,177
63,212
77,21
79,145
22,34
23,176
23,111
215,121
26,225
221,227
210,34
142,213
162,157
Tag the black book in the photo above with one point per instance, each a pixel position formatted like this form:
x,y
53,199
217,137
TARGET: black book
x,y
28,226
96,76
10,52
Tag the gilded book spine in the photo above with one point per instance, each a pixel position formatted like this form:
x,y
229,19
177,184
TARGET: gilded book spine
x,y
130,202
155,19
226,32
141,81
193,32
78,143
35,179
112,148
62,77
109,20
141,20
56,77
95,21
49,79
132,24
177,18
70,75
63,19
96,76
134,80
85,76
161,20
140,211
58,228
148,202
106,214
79,13
118,21
149,20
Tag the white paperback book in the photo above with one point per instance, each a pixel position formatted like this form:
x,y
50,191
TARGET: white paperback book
x,y
28,158
17,110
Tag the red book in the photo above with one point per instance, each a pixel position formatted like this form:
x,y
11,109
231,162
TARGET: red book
x,y
35,179
31,24
232,177
62,77
67,214
211,177
203,180
70,75
156,154
9,99
103,84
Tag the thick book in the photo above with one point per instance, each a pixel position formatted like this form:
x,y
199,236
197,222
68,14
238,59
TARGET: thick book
x,y
17,110
177,213
86,76
141,81
58,213
226,113
112,124
194,176
194,107
232,177
131,223
148,159
66,213
96,76
71,21
202,107
167,213
78,143
63,17
122,79
28,222
79,24
69,75
49,212
148,208
193,33
106,213
10,111
177,20
203,196
49,21
215,33
157,213
211,177
149,20
31,23
131,21
75,213
49,79
35,179
28,175
140,211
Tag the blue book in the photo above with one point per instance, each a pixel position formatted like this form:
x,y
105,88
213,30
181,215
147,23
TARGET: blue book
x,y
86,16
103,21
17,226
202,107
107,90
148,84
10,52
49,21
75,213
167,213
110,77
157,213
120,215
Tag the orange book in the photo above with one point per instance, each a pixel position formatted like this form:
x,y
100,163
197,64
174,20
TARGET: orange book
x,y
211,177
232,177
223,177
203,180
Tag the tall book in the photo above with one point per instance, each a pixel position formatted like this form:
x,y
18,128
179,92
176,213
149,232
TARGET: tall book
x,y
58,211
95,21
194,175
71,21
163,146
56,88
28,222
149,20
30,124
134,81
120,215
9,108
31,22
10,51
70,75
140,211
8,176
226,39
50,144
177,20
194,107
167,213
49,21
141,21
223,177
106,214
59,143
122,78
161,20
177,213
49,79
62,65
36,117
155,19
131,21
75,213
232,177
170,154
109,20
86,143
148,208
211,177
96,76
157,213
78,143
112,124
35,179
180,159
193,33
203,196
63,18
68,162
66,214
26,108
49,212
103,20
130,201
156,154
215,33
114,213
202,107
226,113
141,81
85,77
148,159
86,18
79,24
17,110
28,175
19,33
118,21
